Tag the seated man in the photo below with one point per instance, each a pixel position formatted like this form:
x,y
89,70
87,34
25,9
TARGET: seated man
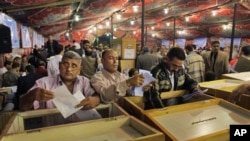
x,y
109,82
170,75
40,95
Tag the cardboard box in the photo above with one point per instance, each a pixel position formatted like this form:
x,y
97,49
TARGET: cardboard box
x,y
215,85
134,105
208,120
113,129
23,121
243,76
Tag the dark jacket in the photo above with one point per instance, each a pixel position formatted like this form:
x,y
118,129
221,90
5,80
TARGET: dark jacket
x,y
163,84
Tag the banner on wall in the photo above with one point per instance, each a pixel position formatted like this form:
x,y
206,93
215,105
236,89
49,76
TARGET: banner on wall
x,y
180,43
165,42
226,42
200,42
26,42
11,23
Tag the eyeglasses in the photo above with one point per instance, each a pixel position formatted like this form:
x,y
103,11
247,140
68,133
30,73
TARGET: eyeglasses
x,y
175,66
67,65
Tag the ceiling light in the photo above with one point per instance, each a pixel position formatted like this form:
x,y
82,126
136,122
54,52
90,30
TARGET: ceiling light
x,y
166,10
132,22
135,8
107,23
187,19
134,32
168,24
115,29
118,16
77,17
67,34
153,28
214,13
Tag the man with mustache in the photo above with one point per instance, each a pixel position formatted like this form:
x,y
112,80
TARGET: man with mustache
x,y
109,82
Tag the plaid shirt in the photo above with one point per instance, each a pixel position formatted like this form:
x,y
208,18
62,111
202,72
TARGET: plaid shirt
x,y
163,84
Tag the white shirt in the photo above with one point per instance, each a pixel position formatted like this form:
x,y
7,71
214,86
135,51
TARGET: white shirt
x,y
53,65
2,71
77,45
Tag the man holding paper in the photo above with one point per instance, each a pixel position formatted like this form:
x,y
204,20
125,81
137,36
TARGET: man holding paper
x,y
170,75
40,95
109,82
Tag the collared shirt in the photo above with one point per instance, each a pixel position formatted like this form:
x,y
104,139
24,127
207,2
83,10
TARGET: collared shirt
x,y
109,87
52,82
53,65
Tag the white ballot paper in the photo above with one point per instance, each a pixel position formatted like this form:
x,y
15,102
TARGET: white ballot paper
x,y
148,78
66,102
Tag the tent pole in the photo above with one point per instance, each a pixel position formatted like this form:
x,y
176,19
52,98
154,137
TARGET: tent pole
x,y
174,31
142,23
233,31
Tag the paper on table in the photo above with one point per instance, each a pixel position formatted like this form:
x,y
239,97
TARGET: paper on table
x,y
148,78
189,96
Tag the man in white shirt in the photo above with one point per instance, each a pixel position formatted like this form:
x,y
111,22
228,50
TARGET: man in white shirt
x,y
53,64
77,47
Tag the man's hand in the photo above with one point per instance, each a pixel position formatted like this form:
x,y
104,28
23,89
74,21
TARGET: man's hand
x,y
42,94
89,102
136,80
241,89
147,87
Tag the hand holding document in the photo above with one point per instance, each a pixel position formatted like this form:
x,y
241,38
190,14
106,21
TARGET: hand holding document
x,y
148,78
66,103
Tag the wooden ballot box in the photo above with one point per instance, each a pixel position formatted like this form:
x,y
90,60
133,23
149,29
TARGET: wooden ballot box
x,y
216,85
244,76
28,120
123,128
125,47
208,120
134,105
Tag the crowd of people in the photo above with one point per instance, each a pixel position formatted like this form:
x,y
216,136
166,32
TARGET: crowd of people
x,y
95,72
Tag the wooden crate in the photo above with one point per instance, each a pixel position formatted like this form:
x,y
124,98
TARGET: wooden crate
x,y
244,101
4,119
23,121
126,128
243,76
125,47
215,85
200,121
134,105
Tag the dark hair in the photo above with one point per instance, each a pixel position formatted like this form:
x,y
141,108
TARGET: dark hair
x,y
15,65
189,47
58,49
176,52
7,62
245,50
215,42
85,41
30,69
131,72
209,76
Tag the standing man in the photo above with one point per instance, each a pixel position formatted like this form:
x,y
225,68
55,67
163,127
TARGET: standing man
x,y
146,60
50,45
40,95
216,60
53,64
194,64
170,76
109,82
